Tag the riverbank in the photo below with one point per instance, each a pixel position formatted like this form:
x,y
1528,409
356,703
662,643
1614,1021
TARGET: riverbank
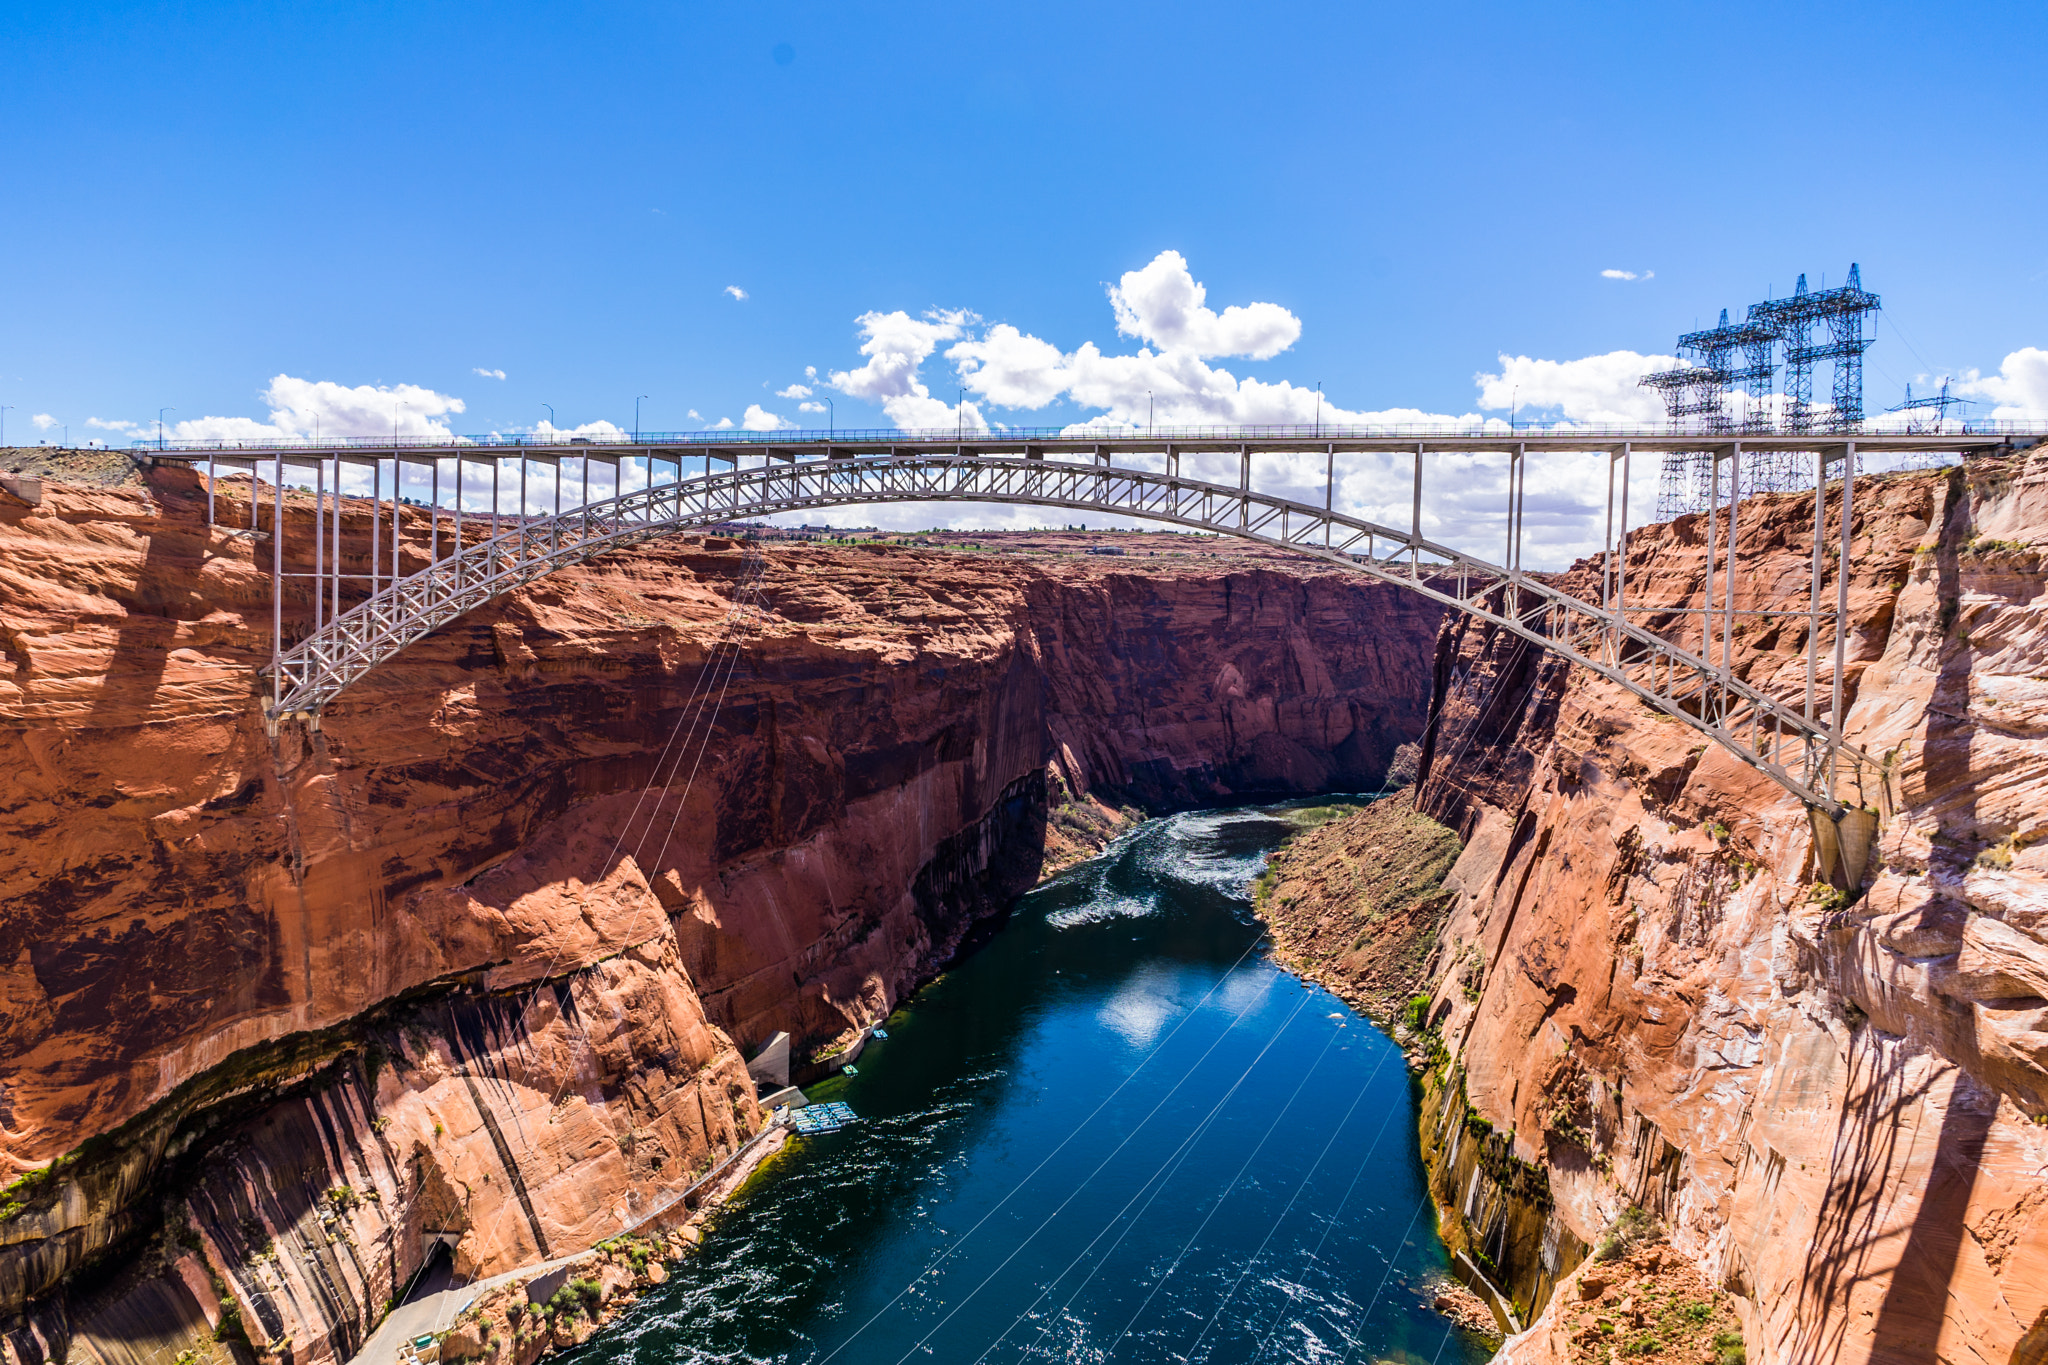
x,y
1119,1079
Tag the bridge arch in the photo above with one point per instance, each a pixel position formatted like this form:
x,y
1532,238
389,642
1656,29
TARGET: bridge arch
x,y
1804,754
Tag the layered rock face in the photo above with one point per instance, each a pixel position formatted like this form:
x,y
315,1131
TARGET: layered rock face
x,y
1834,1102
477,961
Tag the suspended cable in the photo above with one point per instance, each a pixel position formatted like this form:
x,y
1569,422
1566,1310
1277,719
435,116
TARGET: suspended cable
x,y
1366,1316
1078,1129
1228,1190
1336,1214
1156,1183
1314,1166
1128,1138
734,613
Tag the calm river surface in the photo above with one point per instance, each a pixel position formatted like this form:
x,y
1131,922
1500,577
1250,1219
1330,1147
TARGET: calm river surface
x,y
1117,1132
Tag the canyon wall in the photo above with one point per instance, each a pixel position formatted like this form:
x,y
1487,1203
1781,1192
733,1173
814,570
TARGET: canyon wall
x,y
1833,1101
479,959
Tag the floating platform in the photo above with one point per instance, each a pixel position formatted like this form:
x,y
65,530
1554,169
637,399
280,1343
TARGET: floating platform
x,y
821,1118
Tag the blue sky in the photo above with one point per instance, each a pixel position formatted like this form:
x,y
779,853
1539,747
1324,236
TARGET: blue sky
x,y
202,198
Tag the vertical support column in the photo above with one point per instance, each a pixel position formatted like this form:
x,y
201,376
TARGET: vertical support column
x,y
1621,562
334,589
1415,526
320,543
523,462
397,515
1713,550
1613,641
495,470
276,582
458,513
376,519
1820,513
434,514
209,489
1835,716
1329,488
1728,575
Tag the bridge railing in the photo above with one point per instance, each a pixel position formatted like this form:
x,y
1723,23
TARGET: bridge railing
x,y
1794,744
1490,428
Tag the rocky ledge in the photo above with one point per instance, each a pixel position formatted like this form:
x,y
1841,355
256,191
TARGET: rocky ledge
x,y
480,961
1644,1000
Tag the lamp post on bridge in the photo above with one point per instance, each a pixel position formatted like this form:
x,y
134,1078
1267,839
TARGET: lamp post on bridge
x,y
9,407
636,439
160,434
831,420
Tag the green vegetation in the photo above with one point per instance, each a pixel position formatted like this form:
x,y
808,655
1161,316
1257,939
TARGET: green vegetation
x,y
577,1296
1976,547
1416,1016
1633,1228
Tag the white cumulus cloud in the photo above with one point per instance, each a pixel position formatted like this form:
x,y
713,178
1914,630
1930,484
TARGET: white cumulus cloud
x,y
482,373
307,407
1627,275
736,291
1163,304
598,430
758,418
1601,390
2019,391
794,391
43,421
896,344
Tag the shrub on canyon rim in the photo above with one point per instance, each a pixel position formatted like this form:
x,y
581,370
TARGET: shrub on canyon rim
x,y
1626,1233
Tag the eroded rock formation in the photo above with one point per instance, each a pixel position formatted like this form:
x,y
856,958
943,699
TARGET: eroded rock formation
x,y
1832,1102
479,960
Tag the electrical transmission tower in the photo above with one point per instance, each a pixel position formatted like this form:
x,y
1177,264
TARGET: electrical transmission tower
x,y
1940,402
1693,401
1698,396
1839,313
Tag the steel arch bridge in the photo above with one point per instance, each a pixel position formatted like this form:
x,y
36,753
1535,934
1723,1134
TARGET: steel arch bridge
x,y
1798,746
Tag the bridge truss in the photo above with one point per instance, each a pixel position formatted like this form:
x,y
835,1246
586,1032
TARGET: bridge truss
x,y
1796,740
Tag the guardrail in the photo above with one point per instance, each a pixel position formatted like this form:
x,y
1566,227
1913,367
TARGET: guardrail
x,y
1491,429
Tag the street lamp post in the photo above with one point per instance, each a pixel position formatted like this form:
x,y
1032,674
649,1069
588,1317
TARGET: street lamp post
x,y
1319,407
636,419
1148,413
5,408
551,418
831,420
160,434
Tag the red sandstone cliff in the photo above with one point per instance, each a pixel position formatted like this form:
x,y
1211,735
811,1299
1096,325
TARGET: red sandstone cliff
x,y
1835,1109
480,957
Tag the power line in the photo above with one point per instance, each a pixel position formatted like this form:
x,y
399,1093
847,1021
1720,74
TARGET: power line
x,y
1315,1166
1047,1221
1202,1227
1078,1129
1163,1176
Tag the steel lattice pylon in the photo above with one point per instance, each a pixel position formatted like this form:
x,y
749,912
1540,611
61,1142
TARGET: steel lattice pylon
x,y
1802,752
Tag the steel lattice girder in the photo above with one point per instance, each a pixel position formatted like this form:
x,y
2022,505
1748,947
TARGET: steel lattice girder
x,y
1672,680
